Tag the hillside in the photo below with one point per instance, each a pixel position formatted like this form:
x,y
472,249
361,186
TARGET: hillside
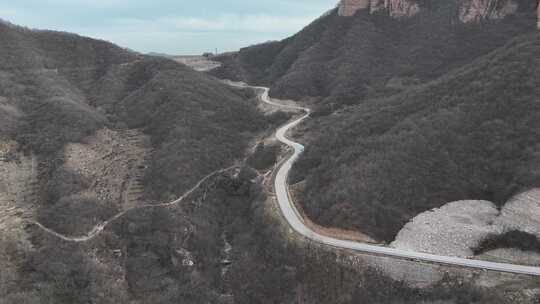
x,y
88,129
344,60
471,134
58,88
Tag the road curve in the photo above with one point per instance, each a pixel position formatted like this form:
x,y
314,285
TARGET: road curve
x,y
296,221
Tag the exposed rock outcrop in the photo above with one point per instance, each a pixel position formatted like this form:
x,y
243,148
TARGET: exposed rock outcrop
x,y
538,13
395,8
469,11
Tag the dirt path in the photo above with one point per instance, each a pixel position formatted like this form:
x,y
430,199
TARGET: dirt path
x,y
98,229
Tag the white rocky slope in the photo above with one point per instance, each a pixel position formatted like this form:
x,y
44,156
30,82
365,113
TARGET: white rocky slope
x,y
458,227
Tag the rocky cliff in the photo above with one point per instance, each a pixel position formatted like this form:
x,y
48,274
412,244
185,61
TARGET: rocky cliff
x,y
469,11
395,8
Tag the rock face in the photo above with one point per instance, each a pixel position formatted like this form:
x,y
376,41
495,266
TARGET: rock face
x,y
451,230
472,11
469,11
522,213
348,8
395,8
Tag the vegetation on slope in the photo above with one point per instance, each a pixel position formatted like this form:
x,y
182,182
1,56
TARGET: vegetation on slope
x,y
346,60
472,134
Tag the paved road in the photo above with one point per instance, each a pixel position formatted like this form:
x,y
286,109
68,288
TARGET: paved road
x,y
297,223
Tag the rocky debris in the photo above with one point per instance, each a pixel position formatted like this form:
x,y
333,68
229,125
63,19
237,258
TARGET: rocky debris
x,y
198,63
395,8
459,227
452,230
522,213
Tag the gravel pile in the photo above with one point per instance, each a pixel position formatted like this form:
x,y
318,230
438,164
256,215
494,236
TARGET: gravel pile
x,y
458,227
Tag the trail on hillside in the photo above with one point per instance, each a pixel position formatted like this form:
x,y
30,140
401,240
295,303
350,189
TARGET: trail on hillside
x,y
98,229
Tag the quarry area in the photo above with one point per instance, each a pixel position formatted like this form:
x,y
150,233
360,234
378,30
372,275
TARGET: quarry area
x,y
458,228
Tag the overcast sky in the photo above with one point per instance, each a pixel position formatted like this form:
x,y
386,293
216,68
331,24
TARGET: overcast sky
x,y
170,26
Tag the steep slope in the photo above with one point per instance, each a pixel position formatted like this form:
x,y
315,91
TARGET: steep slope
x,y
472,134
343,60
58,88
88,129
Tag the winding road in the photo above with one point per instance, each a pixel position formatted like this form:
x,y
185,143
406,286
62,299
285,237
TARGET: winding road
x,y
296,221
294,218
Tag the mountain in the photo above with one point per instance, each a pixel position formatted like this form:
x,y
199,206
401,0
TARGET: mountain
x,y
91,131
471,134
416,104
88,130
342,60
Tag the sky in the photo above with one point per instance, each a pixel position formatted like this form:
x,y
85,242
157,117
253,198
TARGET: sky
x,y
176,27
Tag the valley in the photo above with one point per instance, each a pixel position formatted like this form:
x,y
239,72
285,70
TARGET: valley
x,y
386,153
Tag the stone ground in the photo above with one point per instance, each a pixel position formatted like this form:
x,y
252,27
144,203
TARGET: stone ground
x,y
458,227
113,162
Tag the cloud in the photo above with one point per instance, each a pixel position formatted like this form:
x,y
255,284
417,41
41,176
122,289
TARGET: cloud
x,y
223,23
178,26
